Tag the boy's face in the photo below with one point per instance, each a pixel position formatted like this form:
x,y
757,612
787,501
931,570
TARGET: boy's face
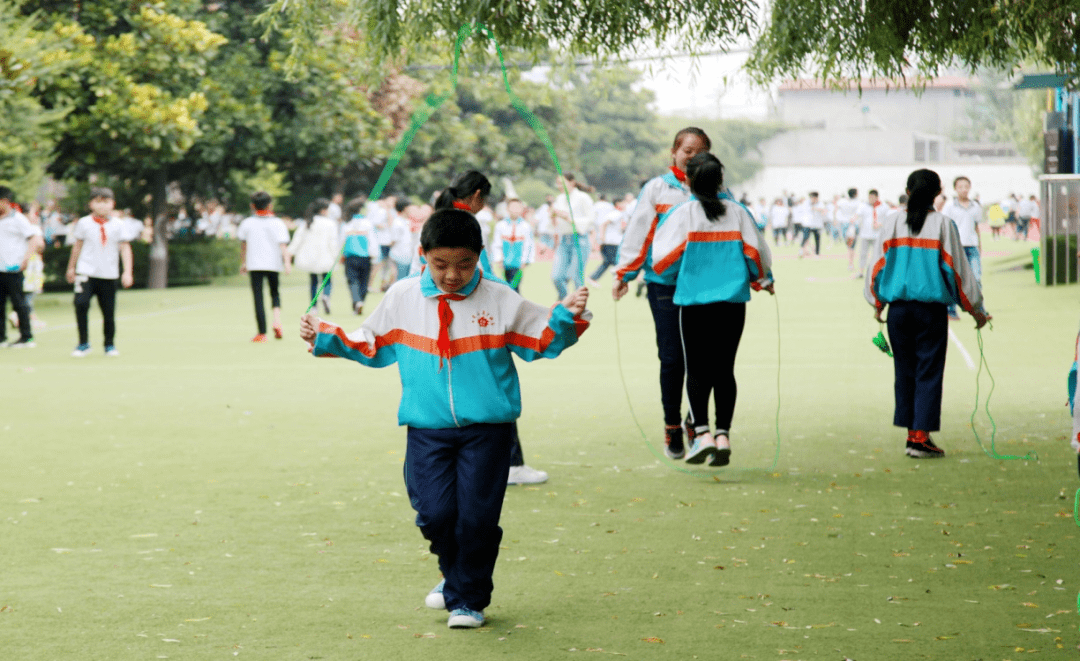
x,y
515,209
102,206
963,188
451,268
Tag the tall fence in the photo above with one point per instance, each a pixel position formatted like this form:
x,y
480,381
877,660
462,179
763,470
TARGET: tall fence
x,y
1060,228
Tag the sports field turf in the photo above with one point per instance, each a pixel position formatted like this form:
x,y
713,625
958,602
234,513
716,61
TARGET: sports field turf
x,y
202,497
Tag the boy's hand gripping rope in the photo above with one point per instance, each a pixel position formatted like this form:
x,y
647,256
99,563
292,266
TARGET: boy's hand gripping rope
x,y
431,104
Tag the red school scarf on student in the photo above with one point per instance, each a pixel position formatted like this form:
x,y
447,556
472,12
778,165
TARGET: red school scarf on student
x,y
264,212
446,315
458,204
679,174
101,225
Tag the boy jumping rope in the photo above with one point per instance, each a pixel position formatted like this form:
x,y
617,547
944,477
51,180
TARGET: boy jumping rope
x,y
101,244
452,331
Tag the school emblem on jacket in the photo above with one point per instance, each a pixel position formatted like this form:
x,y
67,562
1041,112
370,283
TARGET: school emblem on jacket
x,y
483,319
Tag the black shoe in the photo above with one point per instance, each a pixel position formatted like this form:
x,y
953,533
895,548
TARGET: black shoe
x,y
923,448
673,443
688,427
325,300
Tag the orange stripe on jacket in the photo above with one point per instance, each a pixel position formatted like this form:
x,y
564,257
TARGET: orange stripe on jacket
x,y
458,347
639,261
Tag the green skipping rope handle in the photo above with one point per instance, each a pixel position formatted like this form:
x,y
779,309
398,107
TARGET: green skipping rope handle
x,y
993,454
431,104
660,455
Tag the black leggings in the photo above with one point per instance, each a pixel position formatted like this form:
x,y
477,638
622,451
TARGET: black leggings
x,y
105,290
710,339
256,289
666,319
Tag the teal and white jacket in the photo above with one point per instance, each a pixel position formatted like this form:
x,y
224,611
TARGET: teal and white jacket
x,y
1073,408
512,243
359,238
715,260
464,375
930,267
636,251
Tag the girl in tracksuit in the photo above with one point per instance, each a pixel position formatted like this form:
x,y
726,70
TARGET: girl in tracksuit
x,y
636,253
714,246
919,268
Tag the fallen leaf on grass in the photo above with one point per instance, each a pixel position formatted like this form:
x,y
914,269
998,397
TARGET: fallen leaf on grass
x,y
424,635
652,639
1029,604
197,619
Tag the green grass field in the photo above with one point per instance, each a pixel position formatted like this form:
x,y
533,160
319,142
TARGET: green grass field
x,y
202,497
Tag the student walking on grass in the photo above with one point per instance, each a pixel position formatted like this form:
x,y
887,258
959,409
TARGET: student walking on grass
x,y
636,254
314,248
19,242
452,332
715,247
101,245
264,254
360,248
919,268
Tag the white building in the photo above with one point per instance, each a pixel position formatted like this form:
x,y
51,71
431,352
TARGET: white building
x,y
842,140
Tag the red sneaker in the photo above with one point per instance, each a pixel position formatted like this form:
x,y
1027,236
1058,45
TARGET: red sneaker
x,y
260,338
921,446
277,332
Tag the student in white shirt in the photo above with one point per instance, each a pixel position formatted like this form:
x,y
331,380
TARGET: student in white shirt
x,y
813,223
847,220
870,215
264,254
1026,209
403,243
609,232
101,244
19,241
512,243
545,229
314,248
778,218
570,255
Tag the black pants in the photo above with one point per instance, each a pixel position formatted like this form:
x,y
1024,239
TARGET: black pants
x,y
257,291
710,338
510,273
919,334
807,231
456,480
669,349
11,286
610,253
105,290
315,279
358,273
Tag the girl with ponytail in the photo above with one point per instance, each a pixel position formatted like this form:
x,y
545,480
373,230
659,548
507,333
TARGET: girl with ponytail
x,y
919,269
718,253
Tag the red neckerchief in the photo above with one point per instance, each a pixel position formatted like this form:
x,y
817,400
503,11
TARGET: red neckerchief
x,y
679,174
264,212
101,225
458,204
446,315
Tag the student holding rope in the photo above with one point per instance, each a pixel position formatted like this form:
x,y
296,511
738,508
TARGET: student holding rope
x,y
657,196
714,246
919,268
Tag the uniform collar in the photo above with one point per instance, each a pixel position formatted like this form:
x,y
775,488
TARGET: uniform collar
x,y
429,289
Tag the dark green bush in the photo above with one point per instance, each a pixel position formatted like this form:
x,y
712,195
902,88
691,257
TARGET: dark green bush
x,y
1064,269
194,261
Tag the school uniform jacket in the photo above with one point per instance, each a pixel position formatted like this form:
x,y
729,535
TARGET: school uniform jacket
x,y
512,243
657,197
719,260
472,378
1072,398
930,267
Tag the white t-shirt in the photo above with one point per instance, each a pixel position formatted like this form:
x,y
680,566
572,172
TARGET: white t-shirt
x,y
402,250
100,259
778,216
333,211
582,206
847,210
543,219
15,233
1027,209
966,219
816,219
802,214
315,247
380,220
614,224
865,214
264,236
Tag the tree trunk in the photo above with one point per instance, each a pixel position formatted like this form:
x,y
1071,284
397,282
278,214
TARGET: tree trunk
x,y
159,250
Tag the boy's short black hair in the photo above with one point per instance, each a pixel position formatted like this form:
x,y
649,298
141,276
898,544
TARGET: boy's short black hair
x,y
873,191
101,191
452,228
6,194
402,204
261,200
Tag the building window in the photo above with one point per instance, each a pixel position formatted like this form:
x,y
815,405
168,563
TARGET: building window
x,y
920,151
934,147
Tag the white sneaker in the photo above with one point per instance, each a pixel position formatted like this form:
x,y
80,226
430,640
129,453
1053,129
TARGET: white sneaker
x,y
703,448
80,351
435,599
526,475
112,351
465,618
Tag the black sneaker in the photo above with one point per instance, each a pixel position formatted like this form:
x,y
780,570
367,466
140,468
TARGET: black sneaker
x,y
688,427
924,448
673,443
23,344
